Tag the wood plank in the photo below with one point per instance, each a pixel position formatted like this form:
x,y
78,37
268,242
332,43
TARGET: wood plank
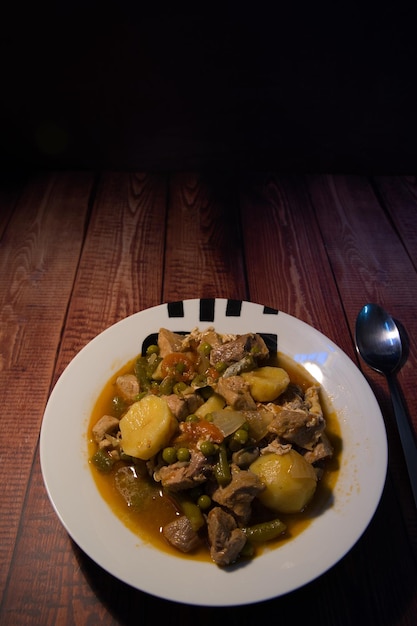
x,y
121,267
369,262
398,194
9,193
203,248
278,212
286,268
39,257
117,276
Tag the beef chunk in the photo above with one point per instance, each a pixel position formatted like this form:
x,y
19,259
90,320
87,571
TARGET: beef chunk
x,y
105,425
298,427
323,449
128,386
225,538
238,495
236,349
169,342
244,457
181,535
235,390
184,474
182,406
301,423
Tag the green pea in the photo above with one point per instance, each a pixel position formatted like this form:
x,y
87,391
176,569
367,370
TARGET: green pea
x,y
204,348
207,448
183,454
179,388
220,367
192,418
152,349
241,436
204,502
169,455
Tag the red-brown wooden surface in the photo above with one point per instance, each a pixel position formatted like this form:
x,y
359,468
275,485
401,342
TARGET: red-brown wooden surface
x,y
79,252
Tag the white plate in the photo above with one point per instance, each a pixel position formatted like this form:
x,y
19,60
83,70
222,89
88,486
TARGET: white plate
x,y
101,535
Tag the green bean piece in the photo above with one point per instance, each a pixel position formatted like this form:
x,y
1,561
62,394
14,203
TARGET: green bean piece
x,y
222,469
138,491
199,381
183,454
204,502
166,386
102,461
207,448
141,372
169,455
194,514
248,551
152,363
265,531
119,405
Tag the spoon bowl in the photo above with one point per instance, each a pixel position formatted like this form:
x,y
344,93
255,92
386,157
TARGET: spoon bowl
x,y
378,341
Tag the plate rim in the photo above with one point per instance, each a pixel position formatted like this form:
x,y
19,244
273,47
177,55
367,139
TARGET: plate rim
x,y
248,597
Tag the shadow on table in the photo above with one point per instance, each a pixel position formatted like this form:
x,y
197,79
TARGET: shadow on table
x,y
374,583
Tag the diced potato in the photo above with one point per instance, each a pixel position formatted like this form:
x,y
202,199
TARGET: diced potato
x,y
266,383
147,427
215,402
290,481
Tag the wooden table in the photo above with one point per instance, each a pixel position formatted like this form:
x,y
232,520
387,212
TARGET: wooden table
x,y
79,252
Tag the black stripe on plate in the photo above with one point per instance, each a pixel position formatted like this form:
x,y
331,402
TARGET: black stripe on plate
x,y
271,341
176,309
150,340
233,308
207,310
270,311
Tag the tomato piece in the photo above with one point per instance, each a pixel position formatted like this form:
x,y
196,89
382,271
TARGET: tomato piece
x,y
178,366
192,432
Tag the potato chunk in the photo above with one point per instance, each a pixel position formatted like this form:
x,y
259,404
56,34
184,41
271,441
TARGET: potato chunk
x,y
214,403
147,427
290,482
266,383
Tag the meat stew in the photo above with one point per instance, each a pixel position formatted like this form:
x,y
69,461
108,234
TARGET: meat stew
x,y
210,447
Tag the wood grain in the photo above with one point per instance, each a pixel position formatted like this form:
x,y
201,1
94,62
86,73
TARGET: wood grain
x,y
369,262
398,195
287,266
78,253
120,271
39,256
203,247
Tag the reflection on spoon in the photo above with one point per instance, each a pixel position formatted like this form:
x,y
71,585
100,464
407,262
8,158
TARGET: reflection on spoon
x,y
378,341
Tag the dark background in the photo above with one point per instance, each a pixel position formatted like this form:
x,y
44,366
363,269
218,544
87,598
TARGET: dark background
x,y
260,86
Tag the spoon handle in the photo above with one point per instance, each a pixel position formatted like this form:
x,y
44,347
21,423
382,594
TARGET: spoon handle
x,y
406,435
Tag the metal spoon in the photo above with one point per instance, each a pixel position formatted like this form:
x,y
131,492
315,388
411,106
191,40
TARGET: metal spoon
x,y
378,342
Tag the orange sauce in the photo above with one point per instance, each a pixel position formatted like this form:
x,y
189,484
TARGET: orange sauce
x,y
147,524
